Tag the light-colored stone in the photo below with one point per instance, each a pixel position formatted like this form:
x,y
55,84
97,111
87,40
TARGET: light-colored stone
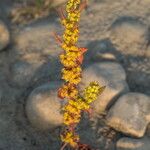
x,y
108,74
130,114
101,50
127,30
56,3
133,144
4,36
26,43
108,56
104,56
43,107
34,47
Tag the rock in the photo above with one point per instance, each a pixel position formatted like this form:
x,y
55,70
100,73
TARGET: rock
x,y
130,114
133,144
108,74
43,107
127,30
4,36
36,41
101,50
138,75
26,43
57,2
107,56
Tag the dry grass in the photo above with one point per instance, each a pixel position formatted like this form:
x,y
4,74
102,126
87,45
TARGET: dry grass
x,y
28,11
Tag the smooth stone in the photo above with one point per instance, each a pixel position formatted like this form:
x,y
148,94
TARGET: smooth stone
x,y
127,30
43,107
105,56
133,144
130,114
108,74
58,2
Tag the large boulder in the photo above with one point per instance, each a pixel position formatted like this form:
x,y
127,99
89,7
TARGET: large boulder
x,y
133,144
4,36
36,58
130,114
43,107
127,30
36,40
108,74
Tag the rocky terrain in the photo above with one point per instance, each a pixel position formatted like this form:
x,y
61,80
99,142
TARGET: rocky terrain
x,y
117,35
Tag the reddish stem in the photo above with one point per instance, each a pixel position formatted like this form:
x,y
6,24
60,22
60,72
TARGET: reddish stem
x,y
83,147
58,39
72,127
90,112
61,13
80,59
83,5
64,145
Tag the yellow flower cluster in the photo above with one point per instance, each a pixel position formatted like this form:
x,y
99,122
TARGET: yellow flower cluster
x,y
71,118
92,91
71,71
79,103
72,111
71,39
68,91
72,75
71,33
70,138
75,106
72,5
69,59
68,48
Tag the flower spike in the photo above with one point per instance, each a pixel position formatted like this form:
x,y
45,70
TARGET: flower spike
x,y
71,60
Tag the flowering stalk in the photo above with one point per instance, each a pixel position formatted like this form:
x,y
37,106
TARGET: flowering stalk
x,y
72,59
